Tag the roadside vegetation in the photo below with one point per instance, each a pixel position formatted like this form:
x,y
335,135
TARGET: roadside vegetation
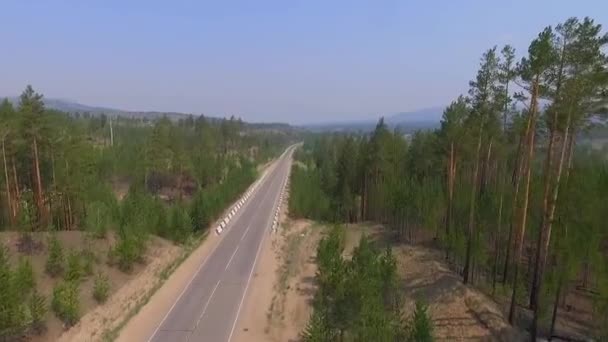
x,y
358,299
116,181
502,187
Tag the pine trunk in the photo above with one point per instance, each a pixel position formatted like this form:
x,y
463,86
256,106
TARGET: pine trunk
x,y
448,220
497,241
547,228
547,179
526,195
471,227
516,180
39,196
8,186
17,192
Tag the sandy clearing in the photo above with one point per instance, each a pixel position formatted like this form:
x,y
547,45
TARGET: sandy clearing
x,y
106,317
459,313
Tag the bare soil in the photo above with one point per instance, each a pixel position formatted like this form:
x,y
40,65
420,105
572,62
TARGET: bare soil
x,y
94,317
155,303
283,285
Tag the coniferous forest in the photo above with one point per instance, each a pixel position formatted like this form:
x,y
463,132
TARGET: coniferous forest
x,y
504,187
104,175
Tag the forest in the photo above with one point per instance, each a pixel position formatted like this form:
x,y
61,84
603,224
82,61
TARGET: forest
x,y
504,187
114,179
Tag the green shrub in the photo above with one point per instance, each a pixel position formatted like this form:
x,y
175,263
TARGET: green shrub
x,y
129,249
23,278
74,271
88,260
54,263
180,225
101,288
421,325
38,311
98,219
12,314
66,302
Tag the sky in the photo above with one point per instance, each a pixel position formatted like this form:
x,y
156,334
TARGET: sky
x,y
288,61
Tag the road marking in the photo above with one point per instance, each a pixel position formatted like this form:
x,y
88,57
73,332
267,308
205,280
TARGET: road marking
x,y
204,309
233,254
246,230
238,312
192,278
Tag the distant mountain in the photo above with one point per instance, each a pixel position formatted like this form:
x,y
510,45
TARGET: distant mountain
x,y
431,115
69,106
407,122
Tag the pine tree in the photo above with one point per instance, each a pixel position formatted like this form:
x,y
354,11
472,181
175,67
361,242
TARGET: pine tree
x,y
66,303
421,325
74,271
24,279
101,288
54,264
38,310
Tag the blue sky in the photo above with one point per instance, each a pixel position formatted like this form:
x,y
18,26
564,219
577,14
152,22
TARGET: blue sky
x,y
291,61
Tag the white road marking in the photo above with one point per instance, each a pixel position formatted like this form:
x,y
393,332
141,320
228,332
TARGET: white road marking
x,y
238,312
205,308
233,254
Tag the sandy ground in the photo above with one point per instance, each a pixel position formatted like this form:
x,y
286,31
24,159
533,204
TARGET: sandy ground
x,y
107,317
278,306
459,313
143,325
94,316
279,302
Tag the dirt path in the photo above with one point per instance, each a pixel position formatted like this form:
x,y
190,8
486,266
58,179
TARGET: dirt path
x,y
278,304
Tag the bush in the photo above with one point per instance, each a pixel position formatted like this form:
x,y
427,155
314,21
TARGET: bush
x,y
422,327
74,271
98,219
66,303
129,249
180,225
23,278
12,315
54,263
101,288
88,259
38,311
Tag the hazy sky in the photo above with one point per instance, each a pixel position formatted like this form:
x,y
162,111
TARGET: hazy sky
x,y
294,61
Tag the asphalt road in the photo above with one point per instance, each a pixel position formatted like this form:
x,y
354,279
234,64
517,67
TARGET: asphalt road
x,y
209,307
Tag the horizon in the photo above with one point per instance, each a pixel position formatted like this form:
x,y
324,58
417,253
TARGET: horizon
x,y
299,63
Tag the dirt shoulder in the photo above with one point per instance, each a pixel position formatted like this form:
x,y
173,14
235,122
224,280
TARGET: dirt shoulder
x,y
279,301
153,308
278,304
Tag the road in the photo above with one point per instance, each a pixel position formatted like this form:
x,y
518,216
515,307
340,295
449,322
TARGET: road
x,y
209,306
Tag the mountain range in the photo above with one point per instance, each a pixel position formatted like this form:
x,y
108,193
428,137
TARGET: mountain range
x,y
69,106
407,122
427,118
